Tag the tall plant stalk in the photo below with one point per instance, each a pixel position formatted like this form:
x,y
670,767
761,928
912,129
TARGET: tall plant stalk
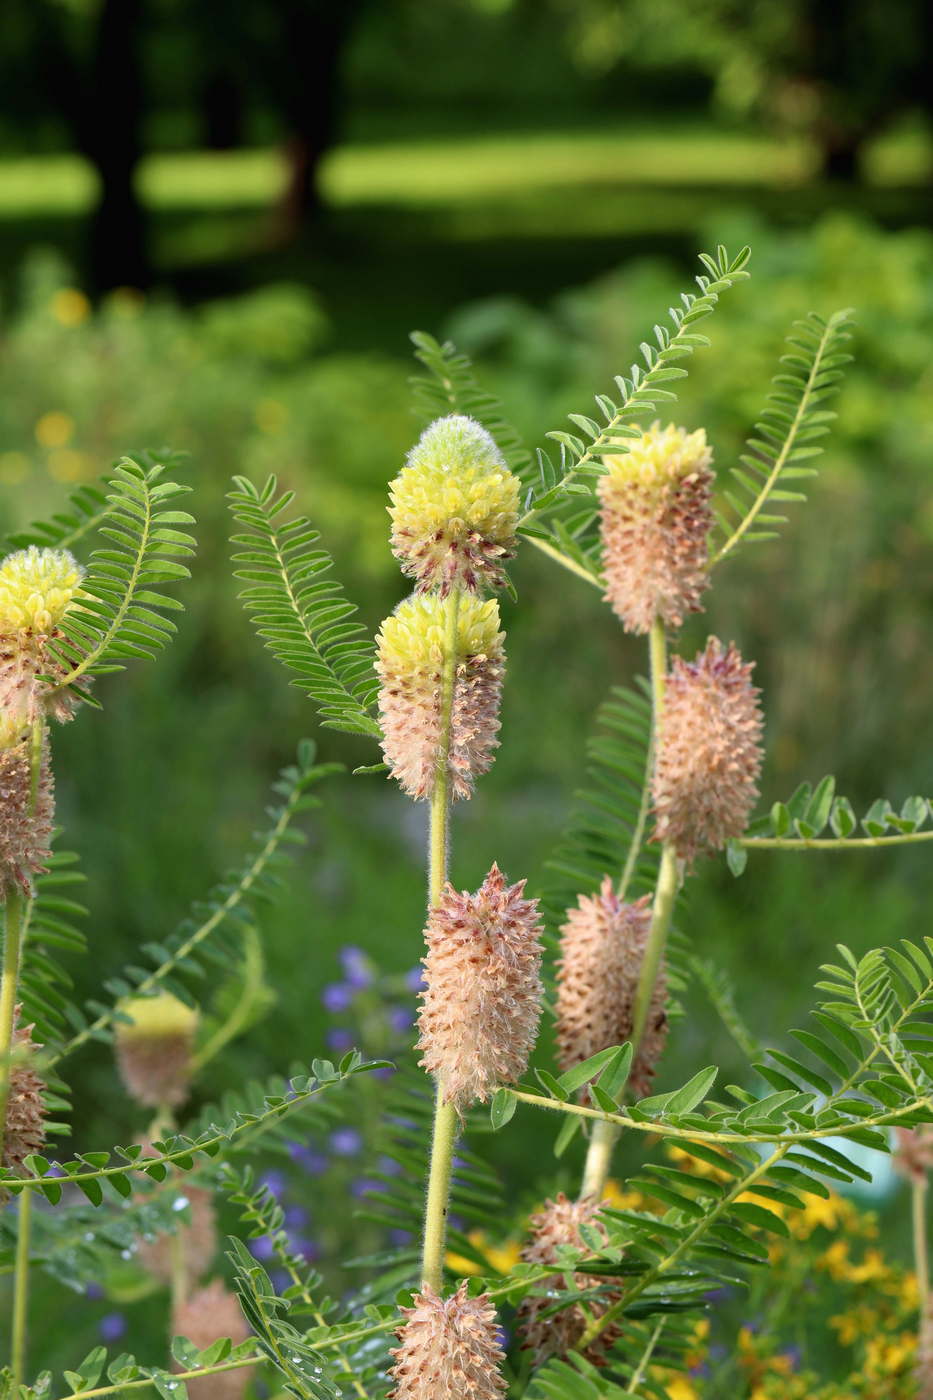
x,y
445,1115
603,1139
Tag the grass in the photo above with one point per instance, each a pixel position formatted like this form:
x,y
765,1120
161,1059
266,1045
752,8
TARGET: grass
x,y
458,170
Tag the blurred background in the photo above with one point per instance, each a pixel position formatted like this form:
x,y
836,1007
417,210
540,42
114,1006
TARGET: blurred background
x,y
218,224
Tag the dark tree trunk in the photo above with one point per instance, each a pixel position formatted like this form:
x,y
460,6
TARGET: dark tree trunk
x,y
113,143
222,110
840,156
307,93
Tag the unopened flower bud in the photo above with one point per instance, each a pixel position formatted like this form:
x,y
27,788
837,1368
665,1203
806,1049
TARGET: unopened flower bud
x,y
545,1332
27,806
24,1130
709,758
602,949
656,517
450,1349
154,1049
482,1002
410,664
454,508
204,1318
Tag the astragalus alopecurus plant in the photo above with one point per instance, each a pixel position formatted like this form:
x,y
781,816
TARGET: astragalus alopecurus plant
x,y
600,1296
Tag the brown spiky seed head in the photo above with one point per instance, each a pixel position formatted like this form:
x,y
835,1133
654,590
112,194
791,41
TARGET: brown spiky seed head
x,y
27,809
454,508
913,1152
211,1313
556,1225
450,1349
198,1240
154,1049
482,999
410,665
709,757
601,952
24,1131
656,517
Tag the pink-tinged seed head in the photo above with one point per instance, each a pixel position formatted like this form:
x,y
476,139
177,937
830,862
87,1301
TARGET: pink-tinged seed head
x,y
449,1349
656,516
710,754
482,1002
410,666
602,949
556,1224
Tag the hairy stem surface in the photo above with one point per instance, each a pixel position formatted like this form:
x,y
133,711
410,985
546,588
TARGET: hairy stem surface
x,y
445,1115
599,1153
21,1288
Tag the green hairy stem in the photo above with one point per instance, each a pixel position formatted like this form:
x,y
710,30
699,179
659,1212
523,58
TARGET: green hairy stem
x,y
445,1115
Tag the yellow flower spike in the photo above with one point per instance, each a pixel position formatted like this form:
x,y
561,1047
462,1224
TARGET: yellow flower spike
x,y
37,587
454,508
656,516
410,664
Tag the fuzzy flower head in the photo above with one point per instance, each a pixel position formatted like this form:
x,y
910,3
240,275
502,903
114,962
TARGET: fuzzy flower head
x,y
154,1049
27,807
709,758
37,587
211,1313
454,508
24,1130
449,1349
656,516
482,1001
410,665
601,952
555,1334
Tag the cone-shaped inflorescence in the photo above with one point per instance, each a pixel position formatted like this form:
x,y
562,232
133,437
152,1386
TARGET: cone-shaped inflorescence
x,y
204,1318
27,805
454,508
450,1349
601,952
482,1000
410,665
24,1130
656,518
709,758
154,1049
37,587
554,1334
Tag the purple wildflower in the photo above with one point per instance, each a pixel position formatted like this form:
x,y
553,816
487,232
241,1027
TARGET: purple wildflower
x,y
111,1327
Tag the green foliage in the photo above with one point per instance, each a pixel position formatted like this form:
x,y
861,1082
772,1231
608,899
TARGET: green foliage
x,y
450,386
87,508
787,432
803,819
299,612
122,616
640,393
207,941
606,832
260,1111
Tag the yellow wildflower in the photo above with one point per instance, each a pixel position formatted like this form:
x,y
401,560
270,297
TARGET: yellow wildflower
x,y
70,307
37,587
54,429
